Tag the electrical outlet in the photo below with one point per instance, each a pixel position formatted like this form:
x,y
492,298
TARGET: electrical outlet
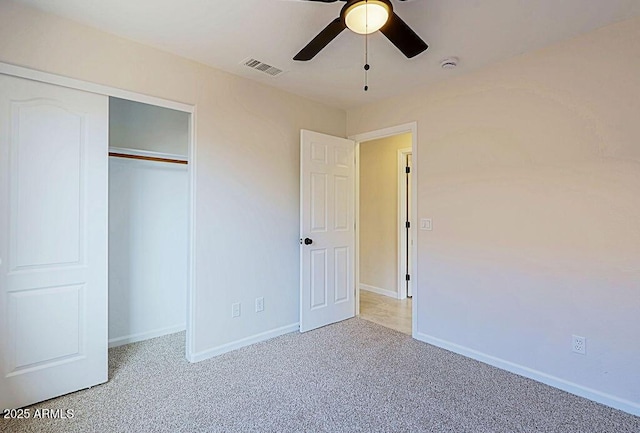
x,y
259,304
235,310
579,344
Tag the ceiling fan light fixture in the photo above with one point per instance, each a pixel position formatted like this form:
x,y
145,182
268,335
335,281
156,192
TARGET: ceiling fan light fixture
x,y
366,16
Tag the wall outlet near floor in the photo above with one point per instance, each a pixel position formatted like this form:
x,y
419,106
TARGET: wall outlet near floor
x,y
579,344
259,304
235,309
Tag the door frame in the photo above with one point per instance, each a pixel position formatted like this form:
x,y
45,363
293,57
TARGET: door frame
x,y
402,205
411,127
72,83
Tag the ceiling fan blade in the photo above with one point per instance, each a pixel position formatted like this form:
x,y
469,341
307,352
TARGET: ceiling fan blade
x,y
328,34
403,37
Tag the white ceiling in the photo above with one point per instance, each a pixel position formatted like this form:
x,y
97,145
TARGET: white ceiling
x,y
223,33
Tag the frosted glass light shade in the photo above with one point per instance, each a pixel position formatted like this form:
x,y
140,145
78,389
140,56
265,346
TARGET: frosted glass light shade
x,y
366,17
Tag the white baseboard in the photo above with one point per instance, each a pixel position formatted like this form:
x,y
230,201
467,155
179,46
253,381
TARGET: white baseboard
x,y
556,382
134,338
206,354
379,291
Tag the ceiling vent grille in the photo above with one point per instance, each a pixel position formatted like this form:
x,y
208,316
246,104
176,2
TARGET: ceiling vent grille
x,y
262,67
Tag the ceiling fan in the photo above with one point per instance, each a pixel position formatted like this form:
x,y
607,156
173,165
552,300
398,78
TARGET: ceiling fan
x,y
365,17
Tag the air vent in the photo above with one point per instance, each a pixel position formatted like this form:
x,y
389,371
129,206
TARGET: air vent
x,y
262,67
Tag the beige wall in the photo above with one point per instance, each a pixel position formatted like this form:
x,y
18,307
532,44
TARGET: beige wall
x,y
530,170
247,164
379,211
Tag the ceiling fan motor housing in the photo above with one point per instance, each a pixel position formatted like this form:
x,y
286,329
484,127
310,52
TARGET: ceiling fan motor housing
x,y
352,7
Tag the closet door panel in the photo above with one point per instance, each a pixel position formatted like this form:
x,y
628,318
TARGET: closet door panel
x,y
53,241
47,228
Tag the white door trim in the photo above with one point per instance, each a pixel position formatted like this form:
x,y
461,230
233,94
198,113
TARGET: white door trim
x,y
411,127
402,239
72,83
356,261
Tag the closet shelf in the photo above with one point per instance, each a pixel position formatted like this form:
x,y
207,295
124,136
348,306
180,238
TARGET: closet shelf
x,y
148,158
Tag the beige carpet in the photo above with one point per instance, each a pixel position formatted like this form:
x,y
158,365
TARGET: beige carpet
x,y
354,376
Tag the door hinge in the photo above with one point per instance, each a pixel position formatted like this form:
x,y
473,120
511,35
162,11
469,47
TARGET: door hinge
x,y
407,225
407,170
407,277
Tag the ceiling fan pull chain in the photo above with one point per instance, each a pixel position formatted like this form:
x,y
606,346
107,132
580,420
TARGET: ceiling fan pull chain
x,y
366,47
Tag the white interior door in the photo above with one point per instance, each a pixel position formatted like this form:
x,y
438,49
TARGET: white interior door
x,y
53,241
327,232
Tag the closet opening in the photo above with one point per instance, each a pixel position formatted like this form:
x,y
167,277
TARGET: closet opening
x,y
149,214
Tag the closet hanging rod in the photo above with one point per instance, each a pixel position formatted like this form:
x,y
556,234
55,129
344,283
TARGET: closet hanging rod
x,y
148,158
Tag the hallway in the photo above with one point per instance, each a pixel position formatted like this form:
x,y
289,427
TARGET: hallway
x,y
386,311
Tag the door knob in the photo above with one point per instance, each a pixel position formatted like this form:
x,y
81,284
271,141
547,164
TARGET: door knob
x,y
308,241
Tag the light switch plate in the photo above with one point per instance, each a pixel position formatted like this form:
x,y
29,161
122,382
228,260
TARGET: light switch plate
x,y
426,224
235,310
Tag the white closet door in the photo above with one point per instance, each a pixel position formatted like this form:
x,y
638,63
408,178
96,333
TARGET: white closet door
x,y
53,241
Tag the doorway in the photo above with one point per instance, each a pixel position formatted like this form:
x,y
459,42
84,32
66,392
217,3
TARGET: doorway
x,y
386,197
148,221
